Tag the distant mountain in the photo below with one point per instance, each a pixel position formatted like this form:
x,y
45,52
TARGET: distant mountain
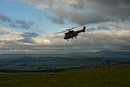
x,y
113,53
103,53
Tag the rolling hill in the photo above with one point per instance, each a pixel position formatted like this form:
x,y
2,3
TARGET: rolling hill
x,y
115,76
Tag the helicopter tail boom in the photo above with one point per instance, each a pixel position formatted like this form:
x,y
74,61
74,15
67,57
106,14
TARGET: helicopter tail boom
x,y
83,30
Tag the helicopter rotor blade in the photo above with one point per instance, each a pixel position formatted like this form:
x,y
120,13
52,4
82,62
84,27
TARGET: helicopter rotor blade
x,y
60,32
68,29
75,27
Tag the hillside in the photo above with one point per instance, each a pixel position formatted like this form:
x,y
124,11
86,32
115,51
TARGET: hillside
x,y
115,76
45,63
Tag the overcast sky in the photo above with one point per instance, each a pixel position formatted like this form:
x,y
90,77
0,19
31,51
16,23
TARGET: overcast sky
x,y
30,26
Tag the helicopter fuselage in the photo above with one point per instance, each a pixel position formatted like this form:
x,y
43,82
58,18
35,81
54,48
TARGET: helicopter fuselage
x,y
72,33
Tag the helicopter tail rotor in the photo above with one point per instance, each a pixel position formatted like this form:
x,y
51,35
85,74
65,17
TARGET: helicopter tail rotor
x,y
84,28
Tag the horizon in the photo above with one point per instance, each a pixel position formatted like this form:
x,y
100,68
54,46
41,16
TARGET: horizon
x,y
71,53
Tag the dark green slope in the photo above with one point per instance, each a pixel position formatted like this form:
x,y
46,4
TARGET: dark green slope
x,y
116,76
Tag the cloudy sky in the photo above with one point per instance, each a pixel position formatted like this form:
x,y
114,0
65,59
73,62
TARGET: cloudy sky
x,y
30,26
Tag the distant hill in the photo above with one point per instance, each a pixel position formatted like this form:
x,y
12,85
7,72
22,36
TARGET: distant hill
x,y
103,53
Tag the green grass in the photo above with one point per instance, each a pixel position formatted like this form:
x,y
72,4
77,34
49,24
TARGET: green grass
x,y
117,76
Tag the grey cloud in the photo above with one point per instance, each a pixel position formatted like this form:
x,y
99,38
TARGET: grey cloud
x,y
26,40
28,34
4,18
78,6
28,37
14,25
101,27
86,18
77,17
97,40
24,24
111,9
56,20
111,2
103,10
21,24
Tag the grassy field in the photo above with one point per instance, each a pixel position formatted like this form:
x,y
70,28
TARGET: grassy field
x,y
115,76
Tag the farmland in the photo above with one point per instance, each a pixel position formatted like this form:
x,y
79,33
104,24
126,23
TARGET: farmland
x,y
59,62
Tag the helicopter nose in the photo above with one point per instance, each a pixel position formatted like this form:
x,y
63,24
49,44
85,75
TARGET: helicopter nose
x,y
64,37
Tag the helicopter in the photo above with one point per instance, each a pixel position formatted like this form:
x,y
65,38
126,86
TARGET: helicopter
x,y
71,33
